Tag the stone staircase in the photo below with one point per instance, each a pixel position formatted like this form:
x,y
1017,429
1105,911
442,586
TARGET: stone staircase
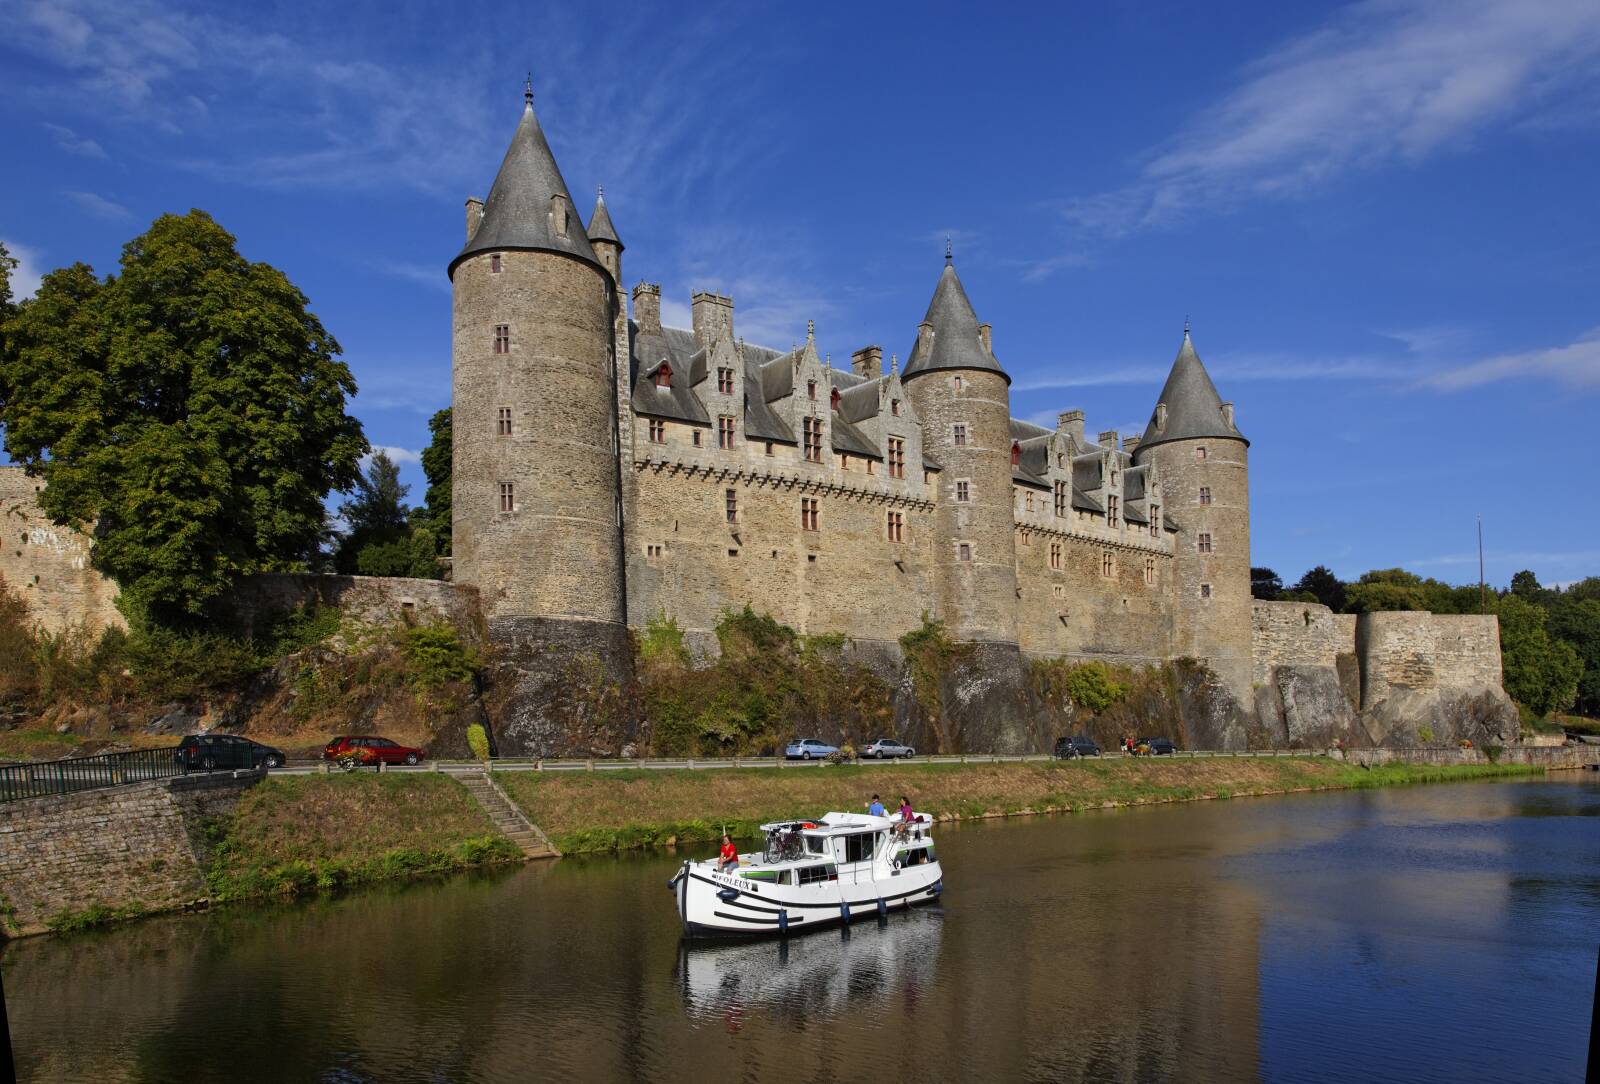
x,y
508,819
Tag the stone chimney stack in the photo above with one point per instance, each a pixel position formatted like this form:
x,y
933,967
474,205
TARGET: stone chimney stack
x,y
474,215
986,336
712,315
867,362
1071,423
1107,439
647,308
1227,415
1130,443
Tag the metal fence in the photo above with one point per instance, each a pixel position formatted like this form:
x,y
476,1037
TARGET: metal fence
x,y
47,777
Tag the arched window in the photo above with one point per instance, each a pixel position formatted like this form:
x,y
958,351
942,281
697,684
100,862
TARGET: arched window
x,y
833,400
664,376
1016,454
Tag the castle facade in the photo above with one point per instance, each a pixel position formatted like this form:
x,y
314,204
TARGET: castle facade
x,y
610,469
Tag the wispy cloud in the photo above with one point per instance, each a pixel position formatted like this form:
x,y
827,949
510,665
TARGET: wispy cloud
x,y
99,206
1381,82
427,275
397,454
1524,558
73,143
26,275
1576,365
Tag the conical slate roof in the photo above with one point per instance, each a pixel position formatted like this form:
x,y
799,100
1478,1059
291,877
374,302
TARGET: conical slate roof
x,y
956,344
1194,409
600,227
518,213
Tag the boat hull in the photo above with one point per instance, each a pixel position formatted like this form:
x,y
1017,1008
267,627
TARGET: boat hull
x,y
713,904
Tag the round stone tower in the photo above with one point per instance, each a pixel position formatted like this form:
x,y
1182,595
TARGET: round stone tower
x,y
1204,465
963,398
535,486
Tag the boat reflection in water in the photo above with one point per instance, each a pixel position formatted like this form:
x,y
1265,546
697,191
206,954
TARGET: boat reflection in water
x,y
817,974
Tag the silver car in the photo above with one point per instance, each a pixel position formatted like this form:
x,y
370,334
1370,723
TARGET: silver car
x,y
887,749
809,749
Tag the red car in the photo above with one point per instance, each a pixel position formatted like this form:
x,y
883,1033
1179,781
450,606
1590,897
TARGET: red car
x,y
366,749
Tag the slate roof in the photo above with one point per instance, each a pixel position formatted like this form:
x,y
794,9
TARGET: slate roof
x,y
650,351
600,227
517,213
955,340
1194,409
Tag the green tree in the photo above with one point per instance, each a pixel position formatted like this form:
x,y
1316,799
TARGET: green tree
x,y
1265,584
377,533
8,264
1386,589
1576,622
1541,674
190,411
437,466
1525,585
1324,586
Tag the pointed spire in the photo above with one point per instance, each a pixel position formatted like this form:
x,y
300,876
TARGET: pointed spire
x,y
600,227
522,209
956,341
894,363
811,331
947,251
1189,407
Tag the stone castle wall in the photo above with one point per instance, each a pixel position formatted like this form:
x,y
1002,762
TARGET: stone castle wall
x,y
1298,634
1422,651
370,600
48,566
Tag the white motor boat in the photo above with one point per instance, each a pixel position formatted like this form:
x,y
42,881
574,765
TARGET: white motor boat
x,y
811,874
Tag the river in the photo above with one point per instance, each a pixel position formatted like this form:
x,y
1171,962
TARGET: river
x,y
1441,932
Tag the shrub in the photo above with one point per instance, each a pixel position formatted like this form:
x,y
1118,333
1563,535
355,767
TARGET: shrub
x,y
435,655
19,677
1425,734
478,741
661,644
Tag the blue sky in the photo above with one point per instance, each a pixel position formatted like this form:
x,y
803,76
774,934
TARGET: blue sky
x,y
1381,218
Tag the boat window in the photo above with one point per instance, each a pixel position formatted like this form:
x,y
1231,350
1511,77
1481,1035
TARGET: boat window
x,y
858,847
816,845
810,875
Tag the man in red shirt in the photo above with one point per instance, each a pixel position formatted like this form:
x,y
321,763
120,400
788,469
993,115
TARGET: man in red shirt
x,y
729,855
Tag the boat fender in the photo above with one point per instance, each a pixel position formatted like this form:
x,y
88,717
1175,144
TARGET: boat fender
x,y
673,882
728,895
897,863
938,887
844,913
883,908
783,920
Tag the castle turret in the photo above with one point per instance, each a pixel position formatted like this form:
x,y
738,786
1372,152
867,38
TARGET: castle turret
x,y
962,395
536,517
603,238
1204,465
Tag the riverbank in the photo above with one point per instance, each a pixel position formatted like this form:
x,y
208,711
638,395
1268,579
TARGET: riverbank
x,y
621,810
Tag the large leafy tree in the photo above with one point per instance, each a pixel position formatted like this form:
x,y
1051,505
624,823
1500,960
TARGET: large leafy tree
x,y
190,410
1321,584
1541,673
1575,621
1265,584
437,465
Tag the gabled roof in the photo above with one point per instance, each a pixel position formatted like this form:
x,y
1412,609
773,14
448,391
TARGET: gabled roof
x,y
600,227
676,348
1194,409
955,343
517,213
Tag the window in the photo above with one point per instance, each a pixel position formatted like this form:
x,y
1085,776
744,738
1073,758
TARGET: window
x,y
810,875
1205,494
1155,521
1205,590
897,457
1113,477
1016,454
872,466
731,499
1027,500
1111,509
1026,536
963,492
811,389
502,338
858,847
897,527
725,381
664,376
653,549
1149,570
732,552
658,431
494,264
769,447
1059,590
844,461
507,498
1203,544
502,422
1055,556
725,431
695,438
808,513
1061,499
959,434
1108,563
813,439
955,382
1200,452
833,399
964,551
894,407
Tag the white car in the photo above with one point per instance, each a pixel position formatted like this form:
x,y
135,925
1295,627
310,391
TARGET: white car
x,y
888,748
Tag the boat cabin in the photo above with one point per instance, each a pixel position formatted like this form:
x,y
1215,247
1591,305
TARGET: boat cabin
x,y
851,846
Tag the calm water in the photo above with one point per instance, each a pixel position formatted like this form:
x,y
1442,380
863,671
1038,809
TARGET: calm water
x,y
1436,933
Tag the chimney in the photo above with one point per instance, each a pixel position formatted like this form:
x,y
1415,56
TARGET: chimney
x,y
867,362
1108,439
474,215
1070,422
1130,443
986,337
647,308
1161,417
712,316
924,345
1227,415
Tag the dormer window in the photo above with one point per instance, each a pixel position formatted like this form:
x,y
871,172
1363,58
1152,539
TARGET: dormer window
x,y
664,376
894,407
833,399
811,389
1016,454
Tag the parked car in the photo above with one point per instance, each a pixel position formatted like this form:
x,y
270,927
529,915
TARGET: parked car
x,y
208,751
1079,745
1159,747
367,749
888,749
809,749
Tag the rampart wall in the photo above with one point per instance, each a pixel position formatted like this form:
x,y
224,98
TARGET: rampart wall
x,y
48,566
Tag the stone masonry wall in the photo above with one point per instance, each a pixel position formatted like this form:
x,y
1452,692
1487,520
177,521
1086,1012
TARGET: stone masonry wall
x,y
371,600
134,846
1298,634
47,565
1401,651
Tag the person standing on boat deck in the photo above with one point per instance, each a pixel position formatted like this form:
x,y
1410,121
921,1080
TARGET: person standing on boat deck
x,y
875,808
905,810
729,855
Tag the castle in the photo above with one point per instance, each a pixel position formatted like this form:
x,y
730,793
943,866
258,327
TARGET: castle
x,y
611,469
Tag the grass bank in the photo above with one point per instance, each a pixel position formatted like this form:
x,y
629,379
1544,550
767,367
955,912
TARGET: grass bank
x,y
626,809
292,835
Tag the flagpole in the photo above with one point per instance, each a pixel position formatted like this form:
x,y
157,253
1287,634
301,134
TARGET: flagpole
x,y
1483,593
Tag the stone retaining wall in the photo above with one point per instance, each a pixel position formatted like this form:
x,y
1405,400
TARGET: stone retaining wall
x,y
140,847
1552,757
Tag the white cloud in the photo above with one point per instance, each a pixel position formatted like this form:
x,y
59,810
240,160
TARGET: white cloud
x,y
1381,82
99,206
429,275
73,143
398,455
26,275
1577,365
